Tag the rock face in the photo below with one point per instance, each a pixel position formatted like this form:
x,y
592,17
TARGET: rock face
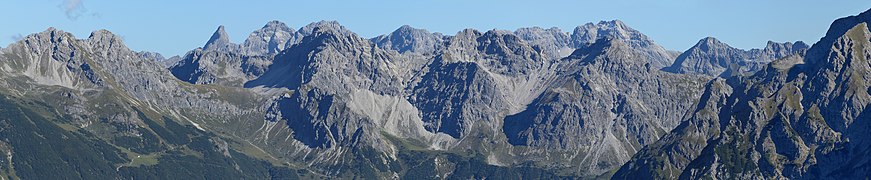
x,y
555,43
455,92
323,102
166,62
220,41
552,42
216,67
473,81
271,39
408,39
606,103
802,118
115,114
222,62
714,58
588,33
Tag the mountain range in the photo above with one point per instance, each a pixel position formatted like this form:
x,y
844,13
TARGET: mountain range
x,y
601,101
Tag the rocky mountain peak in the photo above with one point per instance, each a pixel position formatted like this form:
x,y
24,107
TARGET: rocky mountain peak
x,y
847,50
712,57
789,121
464,39
322,98
838,28
708,56
154,56
50,34
106,39
219,41
588,33
597,47
792,45
536,32
334,33
274,37
616,29
405,28
409,39
275,24
709,43
503,42
775,50
468,33
609,50
553,42
800,44
324,26
618,26
50,37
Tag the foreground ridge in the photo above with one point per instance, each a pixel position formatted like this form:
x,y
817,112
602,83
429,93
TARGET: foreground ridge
x,y
797,118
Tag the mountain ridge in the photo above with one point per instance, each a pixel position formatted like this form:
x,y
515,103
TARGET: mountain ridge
x,y
322,101
807,126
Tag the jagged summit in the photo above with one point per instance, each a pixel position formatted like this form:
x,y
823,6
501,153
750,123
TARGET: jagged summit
x,y
106,41
104,35
710,42
329,28
275,24
272,38
591,51
553,42
790,121
219,41
50,32
531,33
710,56
323,26
405,28
846,61
838,28
505,43
589,33
606,97
320,97
793,45
409,39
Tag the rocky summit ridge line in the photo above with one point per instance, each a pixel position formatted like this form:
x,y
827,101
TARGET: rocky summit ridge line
x,y
801,117
322,102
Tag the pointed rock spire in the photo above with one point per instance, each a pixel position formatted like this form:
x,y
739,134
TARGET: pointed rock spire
x,y
219,41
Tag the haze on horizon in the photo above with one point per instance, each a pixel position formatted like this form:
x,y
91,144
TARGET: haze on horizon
x,y
173,27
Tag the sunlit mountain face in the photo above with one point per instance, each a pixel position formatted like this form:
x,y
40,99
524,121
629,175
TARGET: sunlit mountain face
x,y
600,101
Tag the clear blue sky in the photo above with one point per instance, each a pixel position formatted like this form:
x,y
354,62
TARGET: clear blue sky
x,y
173,27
